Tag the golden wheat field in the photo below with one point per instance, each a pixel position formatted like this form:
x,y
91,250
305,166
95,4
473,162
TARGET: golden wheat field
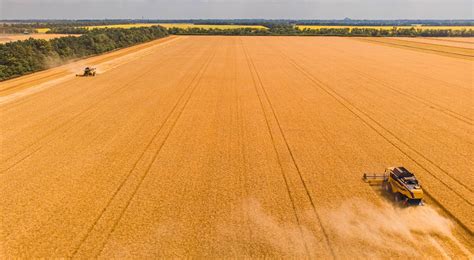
x,y
240,147
4,38
42,30
420,27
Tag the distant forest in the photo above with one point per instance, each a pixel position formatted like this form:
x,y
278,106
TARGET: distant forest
x,y
347,21
289,30
275,27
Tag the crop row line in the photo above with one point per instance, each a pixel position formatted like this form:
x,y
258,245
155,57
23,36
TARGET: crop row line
x,y
457,55
240,131
397,138
155,156
319,83
172,118
352,108
50,134
68,123
440,108
118,53
258,79
27,83
446,40
426,102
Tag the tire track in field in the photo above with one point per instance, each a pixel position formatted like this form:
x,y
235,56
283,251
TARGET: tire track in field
x,y
7,235
450,246
369,121
165,58
243,178
428,44
50,217
421,76
444,171
63,81
70,123
320,128
28,78
434,41
320,84
457,244
257,79
172,118
64,126
155,156
454,240
3,172
240,140
428,50
18,85
38,148
426,102
285,180
133,51
450,40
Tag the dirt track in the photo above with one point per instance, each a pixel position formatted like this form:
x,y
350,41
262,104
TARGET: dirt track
x,y
238,146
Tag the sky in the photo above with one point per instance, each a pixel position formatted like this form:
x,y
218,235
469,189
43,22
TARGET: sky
x,y
233,9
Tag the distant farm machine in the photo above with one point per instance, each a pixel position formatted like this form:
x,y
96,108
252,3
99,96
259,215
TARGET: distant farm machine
x,y
399,183
88,72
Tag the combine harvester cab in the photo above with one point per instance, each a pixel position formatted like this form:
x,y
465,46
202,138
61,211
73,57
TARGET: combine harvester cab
x,y
400,183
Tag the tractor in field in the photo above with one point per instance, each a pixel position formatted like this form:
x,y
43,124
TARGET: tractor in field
x,y
88,72
399,183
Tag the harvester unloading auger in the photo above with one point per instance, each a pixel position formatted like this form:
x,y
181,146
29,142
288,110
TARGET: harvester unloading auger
x,y
400,183
88,72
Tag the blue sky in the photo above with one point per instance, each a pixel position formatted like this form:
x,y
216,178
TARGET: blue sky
x,y
269,9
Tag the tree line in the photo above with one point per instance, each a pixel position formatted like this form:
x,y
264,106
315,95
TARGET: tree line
x,y
23,57
16,28
68,30
59,26
288,29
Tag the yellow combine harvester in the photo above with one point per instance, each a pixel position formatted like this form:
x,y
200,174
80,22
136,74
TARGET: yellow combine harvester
x,y
88,72
400,183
